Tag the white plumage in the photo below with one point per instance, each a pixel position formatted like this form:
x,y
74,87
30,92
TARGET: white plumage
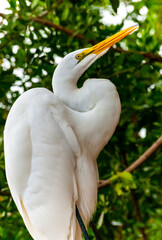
x,y
51,145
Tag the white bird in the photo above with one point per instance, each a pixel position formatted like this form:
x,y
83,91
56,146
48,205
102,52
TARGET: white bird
x,y
51,143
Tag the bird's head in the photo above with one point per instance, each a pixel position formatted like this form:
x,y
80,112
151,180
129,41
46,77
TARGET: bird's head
x,y
76,63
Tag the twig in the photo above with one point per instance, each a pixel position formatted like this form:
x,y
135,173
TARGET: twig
x,y
153,57
138,213
57,27
131,69
71,32
95,230
121,72
138,162
52,25
145,156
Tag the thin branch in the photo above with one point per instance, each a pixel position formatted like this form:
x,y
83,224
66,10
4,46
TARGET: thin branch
x,y
145,156
95,230
138,162
71,32
151,56
57,27
52,25
131,69
121,72
138,214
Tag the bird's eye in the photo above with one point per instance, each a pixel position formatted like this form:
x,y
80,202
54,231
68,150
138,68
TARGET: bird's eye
x,y
78,57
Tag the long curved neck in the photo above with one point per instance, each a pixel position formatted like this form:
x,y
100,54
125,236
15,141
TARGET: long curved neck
x,y
79,99
64,80
97,104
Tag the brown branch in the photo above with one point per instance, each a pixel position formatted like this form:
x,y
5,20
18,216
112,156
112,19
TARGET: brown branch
x,y
138,214
57,27
95,230
145,156
52,25
138,162
149,55
71,32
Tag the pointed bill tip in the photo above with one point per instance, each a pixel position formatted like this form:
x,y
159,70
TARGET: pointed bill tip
x,y
133,28
107,43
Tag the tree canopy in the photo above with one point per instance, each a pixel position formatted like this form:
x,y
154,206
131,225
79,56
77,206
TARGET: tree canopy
x,y
34,36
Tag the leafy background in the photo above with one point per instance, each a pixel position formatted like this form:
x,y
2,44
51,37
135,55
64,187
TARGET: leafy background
x,y
33,37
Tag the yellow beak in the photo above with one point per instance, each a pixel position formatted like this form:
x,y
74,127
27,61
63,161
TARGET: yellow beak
x,y
107,43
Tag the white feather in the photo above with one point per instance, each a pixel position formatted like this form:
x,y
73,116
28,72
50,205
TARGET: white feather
x,y
51,145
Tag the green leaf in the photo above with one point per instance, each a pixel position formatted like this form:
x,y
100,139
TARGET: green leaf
x,y
126,176
23,4
113,178
65,13
13,3
118,189
34,3
48,3
115,4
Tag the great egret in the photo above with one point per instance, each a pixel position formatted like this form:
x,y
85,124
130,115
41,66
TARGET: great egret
x,y
52,141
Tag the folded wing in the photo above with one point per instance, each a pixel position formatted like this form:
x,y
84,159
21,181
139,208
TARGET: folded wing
x,y
40,152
